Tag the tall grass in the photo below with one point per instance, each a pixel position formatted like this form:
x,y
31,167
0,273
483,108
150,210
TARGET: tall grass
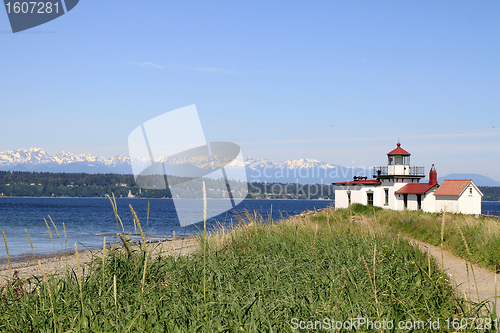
x,y
254,278
474,239
6,247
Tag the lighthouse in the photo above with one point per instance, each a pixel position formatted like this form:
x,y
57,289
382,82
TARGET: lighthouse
x,y
398,186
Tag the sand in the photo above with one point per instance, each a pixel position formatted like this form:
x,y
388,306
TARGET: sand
x,y
57,264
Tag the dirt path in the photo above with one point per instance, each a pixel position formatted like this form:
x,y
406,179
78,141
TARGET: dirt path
x,y
478,283
481,282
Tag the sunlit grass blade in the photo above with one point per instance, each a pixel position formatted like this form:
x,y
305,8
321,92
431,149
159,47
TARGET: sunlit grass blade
x,y
31,244
136,219
57,232
6,247
50,234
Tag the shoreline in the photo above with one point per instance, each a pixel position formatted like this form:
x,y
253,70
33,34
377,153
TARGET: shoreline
x,y
19,258
56,264
5,196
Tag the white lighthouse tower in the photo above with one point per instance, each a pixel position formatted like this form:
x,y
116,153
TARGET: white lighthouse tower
x,y
398,167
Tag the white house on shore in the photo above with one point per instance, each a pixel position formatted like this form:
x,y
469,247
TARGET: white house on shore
x,y
397,186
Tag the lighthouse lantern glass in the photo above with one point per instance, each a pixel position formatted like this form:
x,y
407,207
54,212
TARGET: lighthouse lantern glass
x,y
399,160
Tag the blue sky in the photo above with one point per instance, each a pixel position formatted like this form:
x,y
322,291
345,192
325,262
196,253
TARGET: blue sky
x,y
336,81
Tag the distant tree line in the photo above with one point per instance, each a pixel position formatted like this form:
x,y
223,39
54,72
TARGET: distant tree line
x,y
491,193
46,184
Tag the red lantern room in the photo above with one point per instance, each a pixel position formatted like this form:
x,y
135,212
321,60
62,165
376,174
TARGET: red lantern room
x,y
398,166
398,156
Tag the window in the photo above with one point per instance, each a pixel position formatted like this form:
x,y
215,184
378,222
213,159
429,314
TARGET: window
x,y
470,191
349,198
369,199
386,190
399,160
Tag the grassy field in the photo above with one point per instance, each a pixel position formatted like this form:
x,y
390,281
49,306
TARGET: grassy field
x,y
263,276
474,239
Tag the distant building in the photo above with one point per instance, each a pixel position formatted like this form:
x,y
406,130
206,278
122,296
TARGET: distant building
x,y
397,186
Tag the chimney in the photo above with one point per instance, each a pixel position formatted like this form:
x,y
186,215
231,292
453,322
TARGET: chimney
x,y
433,176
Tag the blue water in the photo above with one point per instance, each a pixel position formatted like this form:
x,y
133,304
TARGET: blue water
x,y
88,220
490,208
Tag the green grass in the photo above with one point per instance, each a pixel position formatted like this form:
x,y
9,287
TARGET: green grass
x,y
468,237
255,278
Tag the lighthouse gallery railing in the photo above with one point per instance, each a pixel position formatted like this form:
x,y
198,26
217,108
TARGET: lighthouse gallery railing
x,y
414,171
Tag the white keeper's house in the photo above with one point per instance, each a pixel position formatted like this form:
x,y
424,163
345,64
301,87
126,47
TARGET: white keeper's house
x,y
397,186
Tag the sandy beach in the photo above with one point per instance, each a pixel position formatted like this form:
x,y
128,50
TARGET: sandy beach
x,y
57,264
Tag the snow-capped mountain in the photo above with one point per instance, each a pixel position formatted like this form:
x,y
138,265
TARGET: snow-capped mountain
x,y
302,171
38,160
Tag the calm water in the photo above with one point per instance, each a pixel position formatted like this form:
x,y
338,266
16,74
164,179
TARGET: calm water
x,y
490,208
88,220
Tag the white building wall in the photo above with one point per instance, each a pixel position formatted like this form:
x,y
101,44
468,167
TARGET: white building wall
x,y
358,194
392,185
466,203
429,202
398,169
398,199
448,202
412,202
340,197
470,203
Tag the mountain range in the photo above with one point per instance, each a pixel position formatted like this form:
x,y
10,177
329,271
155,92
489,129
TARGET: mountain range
x,y
302,171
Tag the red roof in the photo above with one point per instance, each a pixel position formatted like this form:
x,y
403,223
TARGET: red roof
x,y
398,151
452,187
371,181
415,188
